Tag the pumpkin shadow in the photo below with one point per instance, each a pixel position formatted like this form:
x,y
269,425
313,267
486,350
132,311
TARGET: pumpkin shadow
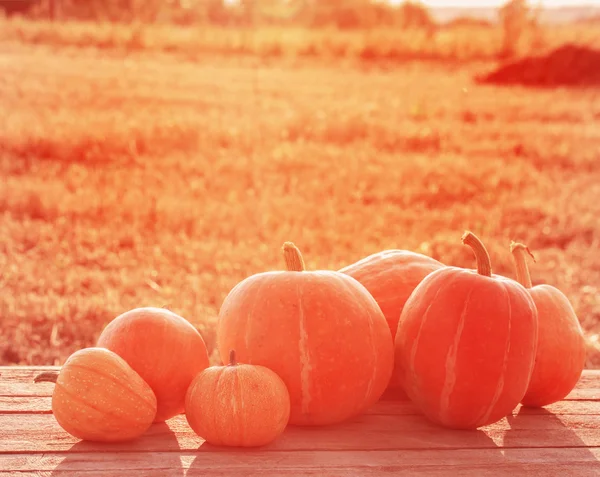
x,y
540,428
154,451
222,460
397,442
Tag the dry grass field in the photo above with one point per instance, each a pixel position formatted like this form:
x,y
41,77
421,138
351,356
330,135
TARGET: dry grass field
x,y
144,177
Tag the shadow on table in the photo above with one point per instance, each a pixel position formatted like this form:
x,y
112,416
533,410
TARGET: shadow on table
x,y
540,428
389,443
155,452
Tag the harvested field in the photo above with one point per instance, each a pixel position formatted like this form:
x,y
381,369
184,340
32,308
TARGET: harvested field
x,y
143,177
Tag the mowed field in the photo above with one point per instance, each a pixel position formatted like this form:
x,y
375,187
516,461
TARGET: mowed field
x,y
152,179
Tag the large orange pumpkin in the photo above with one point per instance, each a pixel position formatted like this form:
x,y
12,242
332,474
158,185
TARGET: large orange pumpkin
x,y
163,348
391,276
321,331
466,343
98,397
561,352
238,405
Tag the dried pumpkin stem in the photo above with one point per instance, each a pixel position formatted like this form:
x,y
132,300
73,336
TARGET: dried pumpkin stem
x,y
484,264
46,377
293,258
232,358
519,253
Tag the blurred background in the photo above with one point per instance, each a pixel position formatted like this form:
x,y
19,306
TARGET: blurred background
x,y
156,153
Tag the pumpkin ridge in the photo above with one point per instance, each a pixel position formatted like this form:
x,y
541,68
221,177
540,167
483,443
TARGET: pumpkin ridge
x,y
78,398
500,386
239,394
450,380
415,343
305,364
370,337
218,439
115,381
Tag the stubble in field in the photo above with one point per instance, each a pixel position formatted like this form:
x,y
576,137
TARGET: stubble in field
x,y
149,180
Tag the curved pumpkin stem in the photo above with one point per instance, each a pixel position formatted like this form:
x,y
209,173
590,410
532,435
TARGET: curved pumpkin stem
x,y
46,377
232,358
484,264
293,258
519,253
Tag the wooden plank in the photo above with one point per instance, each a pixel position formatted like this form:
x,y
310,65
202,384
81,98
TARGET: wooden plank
x,y
43,405
25,405
566,461
18,382
41,433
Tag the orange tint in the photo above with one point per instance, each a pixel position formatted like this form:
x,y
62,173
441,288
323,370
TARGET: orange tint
x,y
237,405
320,331
156,153
99,397
164,349
391,276
465,346
561,350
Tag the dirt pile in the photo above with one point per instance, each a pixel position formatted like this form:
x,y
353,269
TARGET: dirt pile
x,y
569,65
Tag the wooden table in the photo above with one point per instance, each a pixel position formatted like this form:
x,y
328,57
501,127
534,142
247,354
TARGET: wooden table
x,y
391,439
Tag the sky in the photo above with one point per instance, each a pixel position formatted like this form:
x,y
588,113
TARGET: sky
x,y
496,3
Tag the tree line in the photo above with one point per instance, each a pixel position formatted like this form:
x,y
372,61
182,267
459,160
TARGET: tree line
x,y
344,14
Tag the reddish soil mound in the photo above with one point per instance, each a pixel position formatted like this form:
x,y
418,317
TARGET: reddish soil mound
x,y
569,65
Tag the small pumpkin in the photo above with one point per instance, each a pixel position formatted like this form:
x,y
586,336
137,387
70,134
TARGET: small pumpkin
x,y
239,405
466,342
321,331
163,348
561,351
391,276
99,397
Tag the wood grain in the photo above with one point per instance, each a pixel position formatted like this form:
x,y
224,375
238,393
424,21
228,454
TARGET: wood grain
x,y
41,433
392,438
428,462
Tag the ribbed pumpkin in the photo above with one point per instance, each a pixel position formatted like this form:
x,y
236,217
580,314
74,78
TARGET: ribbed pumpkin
x,y
163,348
239,405
321,331
391,276
561,352
466,343
99,397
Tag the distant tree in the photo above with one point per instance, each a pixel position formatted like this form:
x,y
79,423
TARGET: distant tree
x,y
415,15
514,16
350,14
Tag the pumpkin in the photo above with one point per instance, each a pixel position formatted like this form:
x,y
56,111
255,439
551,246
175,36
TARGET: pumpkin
x,y
239,405
391,276
321,331
465,344
98,397
163,348
561,351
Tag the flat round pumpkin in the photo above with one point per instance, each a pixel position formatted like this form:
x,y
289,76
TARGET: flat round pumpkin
x,y
238,405
98,397
466,343
561,353
391,276
163,348
321,331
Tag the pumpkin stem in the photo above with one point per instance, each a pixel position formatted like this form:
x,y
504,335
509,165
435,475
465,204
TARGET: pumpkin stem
x,y
519,252
484,264
46,377
232,358
293,258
